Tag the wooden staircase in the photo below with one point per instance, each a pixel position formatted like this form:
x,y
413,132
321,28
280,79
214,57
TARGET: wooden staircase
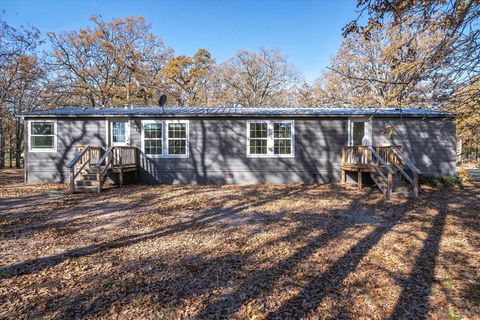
x,y
391,171
92,166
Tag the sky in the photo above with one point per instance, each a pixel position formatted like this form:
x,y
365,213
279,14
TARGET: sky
x,y
307,32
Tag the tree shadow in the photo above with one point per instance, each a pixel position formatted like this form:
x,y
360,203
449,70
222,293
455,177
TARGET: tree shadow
x,y
199,221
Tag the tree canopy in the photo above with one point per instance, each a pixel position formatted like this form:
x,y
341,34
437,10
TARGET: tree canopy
x,y
395,54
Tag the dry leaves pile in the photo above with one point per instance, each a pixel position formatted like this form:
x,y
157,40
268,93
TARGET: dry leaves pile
x,y
237,252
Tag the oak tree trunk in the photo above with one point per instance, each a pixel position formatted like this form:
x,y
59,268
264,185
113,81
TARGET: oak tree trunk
x,y
2,144
18,143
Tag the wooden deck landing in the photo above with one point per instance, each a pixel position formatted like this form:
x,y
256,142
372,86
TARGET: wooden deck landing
x,y
389,168
91,166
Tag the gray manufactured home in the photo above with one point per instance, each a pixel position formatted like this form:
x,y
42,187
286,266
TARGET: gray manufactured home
x,y
88,146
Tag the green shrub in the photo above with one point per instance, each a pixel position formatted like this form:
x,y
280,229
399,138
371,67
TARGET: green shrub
x,y
442,182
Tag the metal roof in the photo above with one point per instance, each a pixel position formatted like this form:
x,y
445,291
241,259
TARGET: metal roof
x,y
141,111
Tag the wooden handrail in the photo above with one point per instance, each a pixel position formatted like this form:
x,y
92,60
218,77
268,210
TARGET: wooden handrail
x,y
405,160
77,158
355,155
380,159
84,157
379,172
100,171
405,175
390,172
100,161
416,172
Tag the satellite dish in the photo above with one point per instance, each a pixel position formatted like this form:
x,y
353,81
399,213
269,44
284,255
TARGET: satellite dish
x,y
162,100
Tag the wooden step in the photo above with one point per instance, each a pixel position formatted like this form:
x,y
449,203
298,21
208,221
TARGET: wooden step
x,y
401,195
80,189
93,170
86,183
89,176
400,189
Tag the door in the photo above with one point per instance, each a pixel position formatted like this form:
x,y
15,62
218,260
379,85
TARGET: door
x,y
360,133
119,133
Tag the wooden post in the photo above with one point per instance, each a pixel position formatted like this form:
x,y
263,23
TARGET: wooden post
x,y
99,180
121,177
72,178
359,184
389,185
415,185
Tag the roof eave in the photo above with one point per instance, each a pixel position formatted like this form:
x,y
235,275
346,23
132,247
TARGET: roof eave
x,y
451,115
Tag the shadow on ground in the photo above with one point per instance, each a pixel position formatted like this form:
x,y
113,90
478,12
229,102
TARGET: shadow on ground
x,y
240,252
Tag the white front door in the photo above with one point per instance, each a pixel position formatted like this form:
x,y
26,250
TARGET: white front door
x,y
360,133
119,132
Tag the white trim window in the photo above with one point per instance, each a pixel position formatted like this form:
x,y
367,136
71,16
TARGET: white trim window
x,y
153,138
42,135
165,138
177,133
270,138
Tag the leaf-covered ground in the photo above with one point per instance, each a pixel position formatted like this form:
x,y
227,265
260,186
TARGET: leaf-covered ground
x,y
242,252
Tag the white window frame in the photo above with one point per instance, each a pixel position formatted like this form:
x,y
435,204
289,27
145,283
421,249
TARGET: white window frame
x,y
270,139
368,130
165,139
30,146
143,122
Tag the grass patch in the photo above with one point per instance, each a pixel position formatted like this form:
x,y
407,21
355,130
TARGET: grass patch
x,y
453,316
447,182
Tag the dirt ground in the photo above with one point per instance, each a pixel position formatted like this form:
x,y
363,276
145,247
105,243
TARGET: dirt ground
x,y
241,252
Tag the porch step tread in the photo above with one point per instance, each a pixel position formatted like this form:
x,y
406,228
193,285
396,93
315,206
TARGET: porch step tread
x,y
86,182
84,189
399,194
89,176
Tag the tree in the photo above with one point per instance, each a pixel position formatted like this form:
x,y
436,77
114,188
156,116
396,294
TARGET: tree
x,y
187,78
325,91
113,63
386,69
18,67
28,94
251,79
456,55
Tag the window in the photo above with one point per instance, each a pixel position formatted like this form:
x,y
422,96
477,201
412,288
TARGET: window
x,y
177,138
43,136
282,138
270,138
153,136
165,138
258,138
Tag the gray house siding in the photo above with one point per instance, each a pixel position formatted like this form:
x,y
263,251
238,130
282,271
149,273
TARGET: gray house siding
x,y
43,167
217,150
429,143
218,155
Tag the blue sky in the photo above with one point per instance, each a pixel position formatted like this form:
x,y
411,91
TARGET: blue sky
x,y
307,32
